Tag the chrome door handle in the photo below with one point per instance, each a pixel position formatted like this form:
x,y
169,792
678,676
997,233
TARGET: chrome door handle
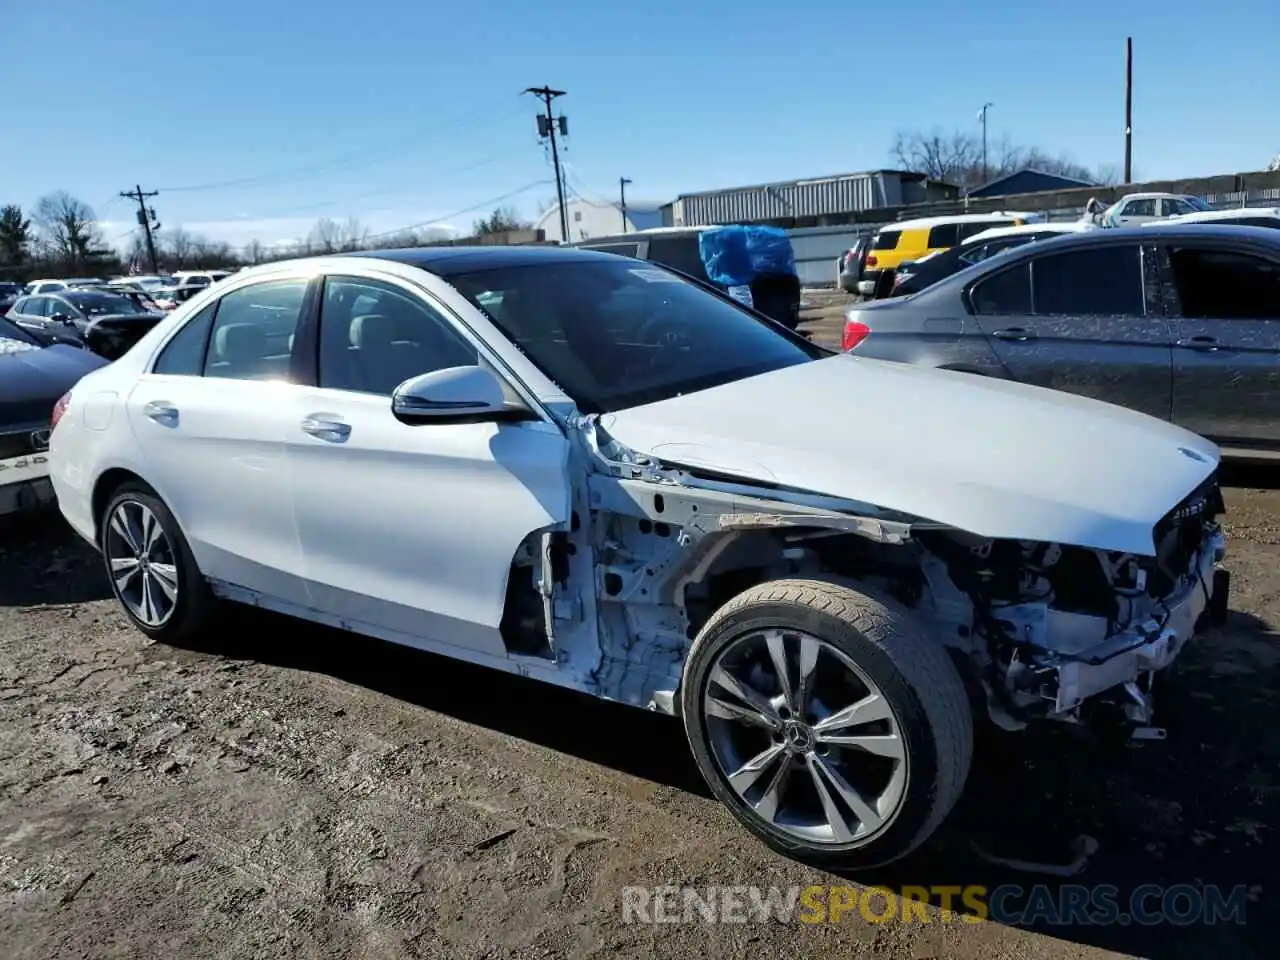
x,y
1014,333
162,412
1203,344
326,426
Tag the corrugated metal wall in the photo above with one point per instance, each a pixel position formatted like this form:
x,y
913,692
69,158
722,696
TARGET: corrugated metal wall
x,y
816,249
802,198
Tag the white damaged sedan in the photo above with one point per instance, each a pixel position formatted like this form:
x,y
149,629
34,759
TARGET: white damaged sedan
x,y
588,470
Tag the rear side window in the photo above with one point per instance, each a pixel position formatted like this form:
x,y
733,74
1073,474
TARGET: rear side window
x,y
253,331
1225,285
679,253
886,240
944,235
1104,280
1273,222
1140,208
1007,292
183,356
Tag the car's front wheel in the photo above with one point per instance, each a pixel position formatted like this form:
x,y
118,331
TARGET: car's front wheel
x,y
827,721
150,566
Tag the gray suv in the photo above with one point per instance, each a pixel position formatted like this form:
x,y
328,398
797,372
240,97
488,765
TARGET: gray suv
x,y
1178,321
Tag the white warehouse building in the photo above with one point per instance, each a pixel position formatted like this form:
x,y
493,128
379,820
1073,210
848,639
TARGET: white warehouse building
x,y
592,218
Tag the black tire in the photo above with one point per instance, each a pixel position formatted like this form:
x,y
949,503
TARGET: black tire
x,y
196,605
915,675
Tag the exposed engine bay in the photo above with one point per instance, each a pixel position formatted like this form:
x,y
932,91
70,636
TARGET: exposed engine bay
x,y
1043,630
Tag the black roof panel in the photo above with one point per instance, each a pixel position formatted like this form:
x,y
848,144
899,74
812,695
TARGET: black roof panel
x,y
445,261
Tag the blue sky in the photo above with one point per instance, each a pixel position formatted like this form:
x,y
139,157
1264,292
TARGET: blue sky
x,y
400,112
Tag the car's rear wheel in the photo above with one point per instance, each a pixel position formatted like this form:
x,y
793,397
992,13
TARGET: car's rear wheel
x,y
827,721
150,566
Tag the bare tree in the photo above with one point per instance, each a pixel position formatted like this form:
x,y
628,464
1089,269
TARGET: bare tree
x,y
324,237
254,252
353,235
176,247
957,157
68,228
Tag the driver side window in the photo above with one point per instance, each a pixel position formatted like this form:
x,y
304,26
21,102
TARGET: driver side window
x,y
374,336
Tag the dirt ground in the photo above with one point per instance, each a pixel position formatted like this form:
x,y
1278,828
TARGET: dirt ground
x,y
290,791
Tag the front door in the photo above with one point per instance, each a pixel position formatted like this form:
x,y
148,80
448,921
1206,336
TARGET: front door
x,y
411,529
1226,373
210,423
1078,321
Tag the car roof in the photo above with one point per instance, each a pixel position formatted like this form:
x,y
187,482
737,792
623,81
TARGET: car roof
x,y
1061,227
1208,216
446,261
1109,235
993,217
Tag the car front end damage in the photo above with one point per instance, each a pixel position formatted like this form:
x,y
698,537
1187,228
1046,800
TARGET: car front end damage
x,y
1043,630
1055,630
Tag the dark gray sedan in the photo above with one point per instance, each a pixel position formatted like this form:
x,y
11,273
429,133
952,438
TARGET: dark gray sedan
x,y
106,323
1178,321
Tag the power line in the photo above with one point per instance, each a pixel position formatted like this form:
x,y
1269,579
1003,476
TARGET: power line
x,y
146,219
320,205
345,162
547,124
457,213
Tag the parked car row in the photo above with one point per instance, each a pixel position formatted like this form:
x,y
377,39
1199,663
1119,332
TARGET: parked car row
x,y
106,323
880,264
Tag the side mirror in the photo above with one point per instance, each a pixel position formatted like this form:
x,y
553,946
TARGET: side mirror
x,y
454,395
59,318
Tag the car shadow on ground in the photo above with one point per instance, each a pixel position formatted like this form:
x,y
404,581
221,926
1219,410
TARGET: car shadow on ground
x,y
1199,809
44,563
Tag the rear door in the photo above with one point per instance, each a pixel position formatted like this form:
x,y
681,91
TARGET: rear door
x,y
1079,321
1226,326
210,420
30,314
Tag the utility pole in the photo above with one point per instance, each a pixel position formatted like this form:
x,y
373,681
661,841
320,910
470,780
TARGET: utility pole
x,y
547,128
146,219
622,191
982,116
1128,110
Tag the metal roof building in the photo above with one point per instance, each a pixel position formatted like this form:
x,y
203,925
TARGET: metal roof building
x,y
595,218
1027,180
820,201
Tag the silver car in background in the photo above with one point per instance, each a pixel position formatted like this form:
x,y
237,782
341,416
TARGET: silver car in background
x,y
1180,321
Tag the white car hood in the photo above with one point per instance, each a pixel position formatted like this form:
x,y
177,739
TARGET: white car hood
x,y
996,458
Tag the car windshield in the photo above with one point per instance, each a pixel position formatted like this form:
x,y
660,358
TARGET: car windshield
x,y
1198,203
99,304
617,335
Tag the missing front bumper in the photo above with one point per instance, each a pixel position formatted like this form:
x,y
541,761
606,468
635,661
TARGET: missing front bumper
x,y
1153,645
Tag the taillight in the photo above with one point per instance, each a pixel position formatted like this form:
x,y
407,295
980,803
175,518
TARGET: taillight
x,y
854,334
60,408
871,260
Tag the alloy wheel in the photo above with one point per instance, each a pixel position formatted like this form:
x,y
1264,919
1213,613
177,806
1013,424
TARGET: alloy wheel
x,y
142,563
807,741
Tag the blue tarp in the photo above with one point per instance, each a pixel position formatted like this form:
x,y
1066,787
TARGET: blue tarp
x,y
736,255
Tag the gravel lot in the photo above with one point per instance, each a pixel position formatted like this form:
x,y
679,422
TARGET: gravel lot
x,y
290,791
